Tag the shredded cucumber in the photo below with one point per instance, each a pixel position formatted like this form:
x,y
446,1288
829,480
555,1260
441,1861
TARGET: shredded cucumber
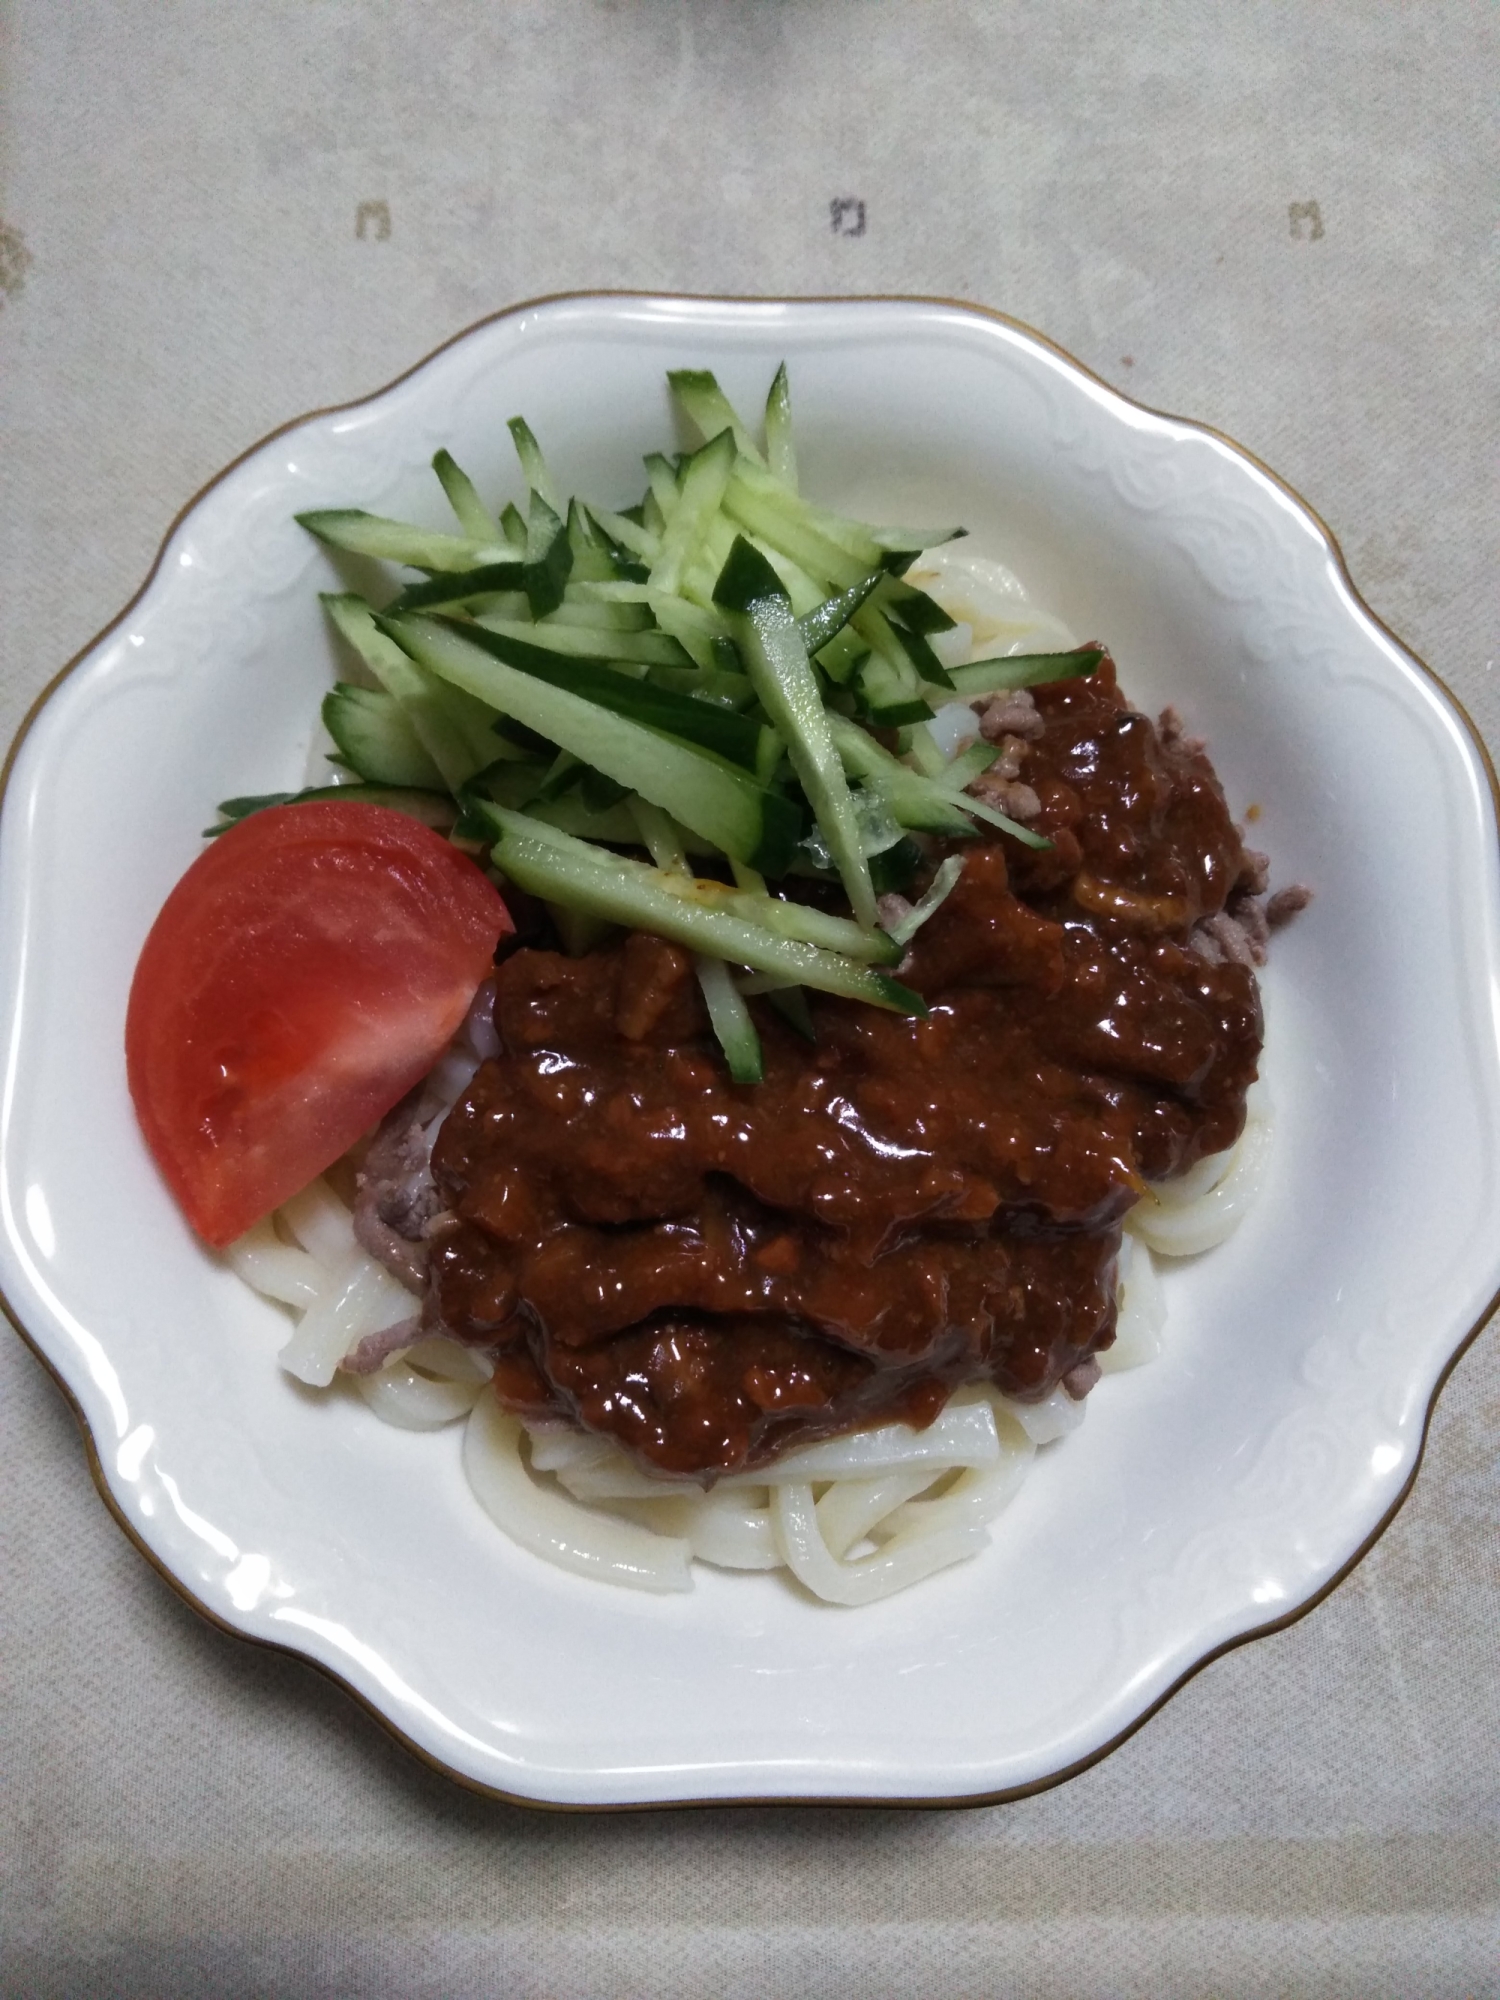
x,y
701,674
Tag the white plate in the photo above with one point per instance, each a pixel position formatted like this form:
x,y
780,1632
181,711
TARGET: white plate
x,y
1208,1496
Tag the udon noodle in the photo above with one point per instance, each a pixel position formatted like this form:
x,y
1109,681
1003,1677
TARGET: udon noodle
x,y
852,1518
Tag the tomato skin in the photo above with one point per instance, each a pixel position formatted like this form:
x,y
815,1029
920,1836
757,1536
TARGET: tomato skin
x,y
306,971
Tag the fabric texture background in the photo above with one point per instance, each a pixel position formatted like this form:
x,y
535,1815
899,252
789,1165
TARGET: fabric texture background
x,y
1275,217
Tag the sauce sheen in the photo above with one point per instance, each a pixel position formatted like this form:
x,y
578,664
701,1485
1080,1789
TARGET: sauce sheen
x,y
710,1272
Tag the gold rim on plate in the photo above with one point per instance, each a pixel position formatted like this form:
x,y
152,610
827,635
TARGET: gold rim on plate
x,y
1278,1624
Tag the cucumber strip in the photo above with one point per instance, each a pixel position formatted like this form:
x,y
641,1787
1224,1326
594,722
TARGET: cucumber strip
x,y
599,793
805,592
629,534
365,534
704,684
578,934
578,642
844,654
586,590
598,614
513,521
697,630
780,454
563,773
711,797
879,635
453,728
515,787
709,725
879,830
916,610
822,625
463,497
927,756
1025,670
905,928
753,983
730,1019
375,737
702,400
910,542
665,491
914,801
893,549
802,921
812,551
549,558
892,695
434,809
658,835
966,765
547,863
917,650
533,466
851,536
894,871
782,676
992,817
460,588
791,1003
704,479
592,558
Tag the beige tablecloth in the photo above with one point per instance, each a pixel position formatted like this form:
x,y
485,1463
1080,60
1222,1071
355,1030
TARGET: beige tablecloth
x,y
1278,217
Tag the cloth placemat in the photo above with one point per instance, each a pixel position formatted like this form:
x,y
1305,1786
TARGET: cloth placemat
x,y
1277,218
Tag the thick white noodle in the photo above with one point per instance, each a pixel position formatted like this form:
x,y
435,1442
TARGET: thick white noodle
x,y
278,1270
897,1566
991,601
1051,1419
321,1224
972,1459
850,1509
430,1384
974,1498
553,1526
1178,1226
342,1293
360,1298
964,1434
1140,1311
995,617
854,1518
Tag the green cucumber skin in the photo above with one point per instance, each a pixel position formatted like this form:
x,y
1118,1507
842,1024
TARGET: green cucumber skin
x,y
788,690
709,724
375,737
552,865
1020,670
434,809
729,1016
365,534
453,727
833,614
458,588
473,516
715,799
555,635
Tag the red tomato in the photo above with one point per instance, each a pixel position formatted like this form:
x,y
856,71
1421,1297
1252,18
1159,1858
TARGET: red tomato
x,y
302,976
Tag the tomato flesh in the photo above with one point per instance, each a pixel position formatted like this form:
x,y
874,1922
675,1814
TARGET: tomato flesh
x,y
305,972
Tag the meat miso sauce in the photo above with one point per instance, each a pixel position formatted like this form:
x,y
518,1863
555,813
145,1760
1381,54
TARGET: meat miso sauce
x,y
710,1273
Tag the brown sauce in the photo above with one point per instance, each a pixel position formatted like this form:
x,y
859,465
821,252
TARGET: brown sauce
x,y
709,1272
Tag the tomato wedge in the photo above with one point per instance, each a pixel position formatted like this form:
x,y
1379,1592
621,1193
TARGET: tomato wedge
x,y
302,976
